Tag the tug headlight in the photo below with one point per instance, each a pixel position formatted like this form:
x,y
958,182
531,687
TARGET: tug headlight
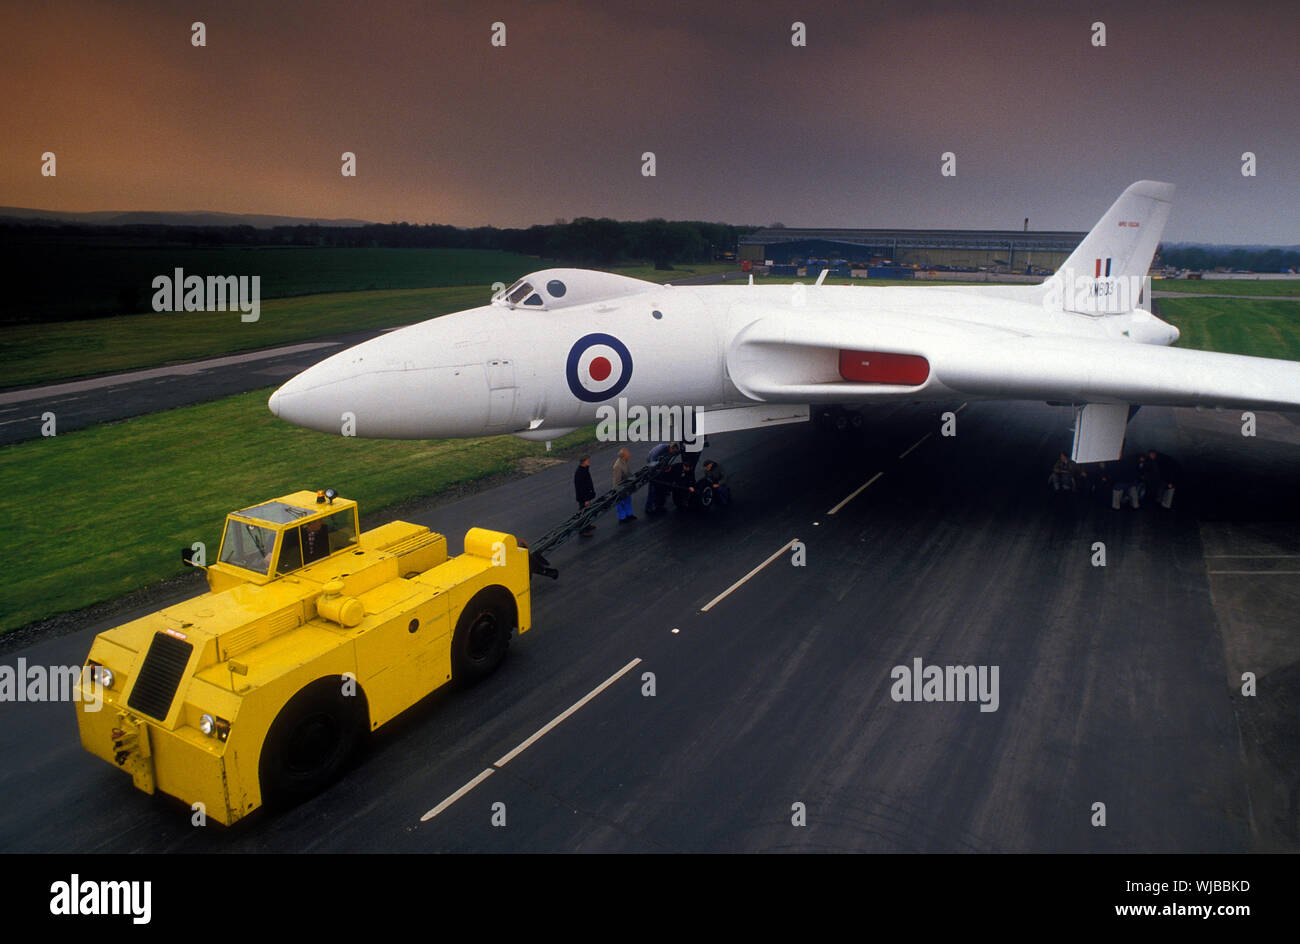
x,y
218,728
101,675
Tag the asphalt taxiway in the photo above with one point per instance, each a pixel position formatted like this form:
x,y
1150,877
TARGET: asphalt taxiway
x,y
636,716
87,401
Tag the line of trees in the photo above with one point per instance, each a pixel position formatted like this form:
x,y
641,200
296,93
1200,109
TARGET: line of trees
x,y
584,241
1249,258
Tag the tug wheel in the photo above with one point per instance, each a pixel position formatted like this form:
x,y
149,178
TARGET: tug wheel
x,y
482,634
311,741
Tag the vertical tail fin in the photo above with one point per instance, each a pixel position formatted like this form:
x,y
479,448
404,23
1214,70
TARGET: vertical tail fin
x,y
1104,274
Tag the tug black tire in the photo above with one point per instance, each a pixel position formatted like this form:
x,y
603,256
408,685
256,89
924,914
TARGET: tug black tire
x,y
312,740
482,634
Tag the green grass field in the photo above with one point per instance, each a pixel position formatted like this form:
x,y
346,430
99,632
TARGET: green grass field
x,y
32,354
94,514
94,281
1288,287
1236,326
56,351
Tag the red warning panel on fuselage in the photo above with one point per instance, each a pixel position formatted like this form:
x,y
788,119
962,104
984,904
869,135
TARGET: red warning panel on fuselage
x,y
907,370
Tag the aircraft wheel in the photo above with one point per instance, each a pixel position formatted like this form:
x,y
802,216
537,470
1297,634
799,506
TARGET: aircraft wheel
x,y
482,634
311,741
705,495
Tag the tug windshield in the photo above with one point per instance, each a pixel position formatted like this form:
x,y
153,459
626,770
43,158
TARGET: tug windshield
x,y
249,546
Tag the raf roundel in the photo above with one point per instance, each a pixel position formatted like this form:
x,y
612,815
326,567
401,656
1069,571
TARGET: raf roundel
x,y
599,367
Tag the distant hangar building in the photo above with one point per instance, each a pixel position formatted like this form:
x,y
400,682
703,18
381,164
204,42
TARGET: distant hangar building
x,y
1013,250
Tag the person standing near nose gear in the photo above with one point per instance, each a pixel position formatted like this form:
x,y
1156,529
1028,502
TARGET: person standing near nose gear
x,y
584,490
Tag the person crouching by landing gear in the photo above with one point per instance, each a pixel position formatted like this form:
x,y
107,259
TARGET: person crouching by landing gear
x,y
1062,477
712,480
622,472
585,490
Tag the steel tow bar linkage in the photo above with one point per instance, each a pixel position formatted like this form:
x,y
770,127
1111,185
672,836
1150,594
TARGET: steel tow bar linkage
x,y
588,515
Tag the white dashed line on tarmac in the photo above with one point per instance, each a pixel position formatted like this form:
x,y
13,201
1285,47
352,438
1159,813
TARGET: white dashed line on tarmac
x,y
530,741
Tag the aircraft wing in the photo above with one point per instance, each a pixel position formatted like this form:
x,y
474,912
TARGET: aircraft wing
x,y
828,360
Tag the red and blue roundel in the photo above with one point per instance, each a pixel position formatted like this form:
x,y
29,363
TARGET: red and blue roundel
x,y
599,367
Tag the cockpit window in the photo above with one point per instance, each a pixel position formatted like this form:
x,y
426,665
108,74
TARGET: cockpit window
x,y
519,294
533,299
556,288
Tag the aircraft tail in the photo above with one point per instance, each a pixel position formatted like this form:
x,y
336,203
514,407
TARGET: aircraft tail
x,y
1105,274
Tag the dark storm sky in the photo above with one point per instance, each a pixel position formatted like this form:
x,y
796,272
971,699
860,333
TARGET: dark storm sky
x,y
746,128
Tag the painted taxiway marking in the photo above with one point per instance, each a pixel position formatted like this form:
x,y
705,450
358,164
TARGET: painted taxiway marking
x,y
903,454
862,488
532,739
726,593
457,795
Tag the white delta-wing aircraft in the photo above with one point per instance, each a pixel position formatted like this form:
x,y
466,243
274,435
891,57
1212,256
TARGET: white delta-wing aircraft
x,y
560,349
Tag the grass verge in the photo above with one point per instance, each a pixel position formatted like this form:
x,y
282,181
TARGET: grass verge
x,y
1289,287
1236,325
100,512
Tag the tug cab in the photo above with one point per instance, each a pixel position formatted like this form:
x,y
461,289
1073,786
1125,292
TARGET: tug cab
x,y
278,537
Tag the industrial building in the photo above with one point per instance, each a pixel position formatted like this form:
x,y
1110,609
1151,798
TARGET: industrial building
x,y
1005,250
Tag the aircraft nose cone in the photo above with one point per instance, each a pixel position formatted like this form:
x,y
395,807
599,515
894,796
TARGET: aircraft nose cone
x,y
315,398
402,385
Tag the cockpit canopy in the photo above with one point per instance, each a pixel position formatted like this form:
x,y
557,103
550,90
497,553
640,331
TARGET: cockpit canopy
x,y
550,289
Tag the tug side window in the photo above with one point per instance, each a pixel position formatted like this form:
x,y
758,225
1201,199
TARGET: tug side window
x,y
342,529
290,552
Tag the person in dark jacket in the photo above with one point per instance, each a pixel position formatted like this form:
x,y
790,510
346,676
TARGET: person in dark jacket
x,y
1170,472
1149,472
685,478
1124,480
656,492
584,489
